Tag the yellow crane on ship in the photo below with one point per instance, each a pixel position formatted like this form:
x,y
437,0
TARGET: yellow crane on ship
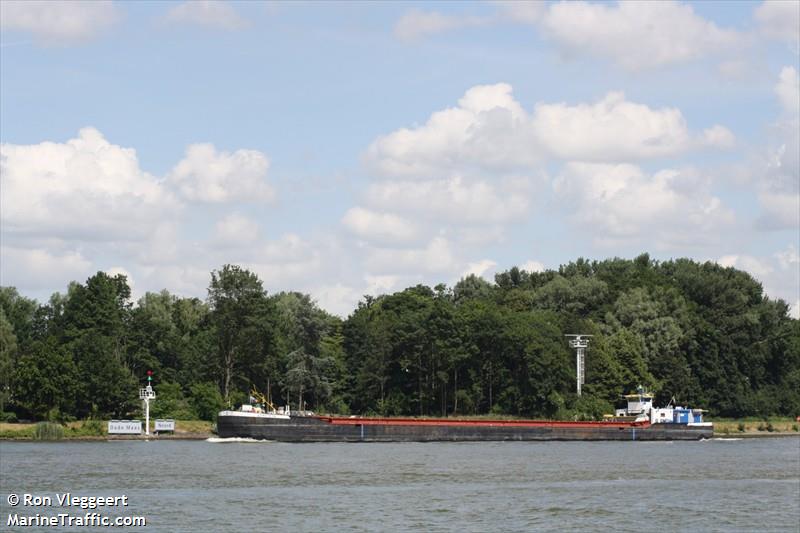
x,y
262,399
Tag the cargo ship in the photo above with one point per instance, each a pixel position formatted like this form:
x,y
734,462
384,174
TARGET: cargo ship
x,y
639,421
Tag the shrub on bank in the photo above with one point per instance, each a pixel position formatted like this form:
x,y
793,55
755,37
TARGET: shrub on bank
x,y
206,400
48,431
171,403
88,428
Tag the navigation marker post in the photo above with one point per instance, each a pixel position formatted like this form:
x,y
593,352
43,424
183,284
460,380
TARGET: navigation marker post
x,y
147,394
579,342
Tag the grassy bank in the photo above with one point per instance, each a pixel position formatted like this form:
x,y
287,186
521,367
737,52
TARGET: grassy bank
x,y
16,431
93,429
753,425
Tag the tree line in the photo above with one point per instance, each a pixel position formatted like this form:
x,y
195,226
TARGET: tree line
x,y
698,333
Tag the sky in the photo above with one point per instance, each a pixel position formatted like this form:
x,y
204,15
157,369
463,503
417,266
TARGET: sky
x,y
352,148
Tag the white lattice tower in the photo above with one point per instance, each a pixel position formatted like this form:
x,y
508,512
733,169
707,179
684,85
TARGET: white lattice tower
x,y
579,343
146,394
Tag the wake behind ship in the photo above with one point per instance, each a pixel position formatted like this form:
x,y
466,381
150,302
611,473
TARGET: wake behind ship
x,y
639,421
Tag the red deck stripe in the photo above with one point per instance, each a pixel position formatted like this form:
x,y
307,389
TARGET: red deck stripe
x,y
474,423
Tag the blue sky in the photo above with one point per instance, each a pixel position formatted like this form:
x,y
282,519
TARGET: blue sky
x,y
344,149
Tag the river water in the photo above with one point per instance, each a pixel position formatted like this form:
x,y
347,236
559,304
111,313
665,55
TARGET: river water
x,y
714,485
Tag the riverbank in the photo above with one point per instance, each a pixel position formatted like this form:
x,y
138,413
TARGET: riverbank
x,y
96,430
755,427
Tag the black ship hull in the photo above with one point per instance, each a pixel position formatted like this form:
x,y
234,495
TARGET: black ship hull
x,y
332,429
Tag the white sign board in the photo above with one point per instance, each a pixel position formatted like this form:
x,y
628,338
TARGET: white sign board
x,y
124,427
165,425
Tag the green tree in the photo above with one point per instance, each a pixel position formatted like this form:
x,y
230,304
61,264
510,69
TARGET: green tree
x,y
94,328
628,349
101,306
539,364
471,287
605,377
308,374
242,318
578,295
170,402
46,382
206,400
107,386
8,354
367,354
484,341
19,312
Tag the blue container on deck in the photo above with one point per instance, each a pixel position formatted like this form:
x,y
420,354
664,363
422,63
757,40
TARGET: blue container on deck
x,y
682,416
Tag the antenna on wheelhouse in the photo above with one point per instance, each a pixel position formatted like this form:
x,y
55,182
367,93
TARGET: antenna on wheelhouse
x,y
579,342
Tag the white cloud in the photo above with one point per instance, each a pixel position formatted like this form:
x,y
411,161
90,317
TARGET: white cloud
x,y
480,268
454,199
115,270
781,210
532,266
164,246
620,204
748,263
290,247
436,258
778,186
464,142
290,262
487,129
635,35
490,131
788,89
54,22
525,11
80,203
381,284
717,137
780,19
70,209
338,298
478,234
778,273
788,265
614,129
416,24
235,230
372,225
788,258
41,269
85,189
478,138
738,69
208,13
181,278
207,175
